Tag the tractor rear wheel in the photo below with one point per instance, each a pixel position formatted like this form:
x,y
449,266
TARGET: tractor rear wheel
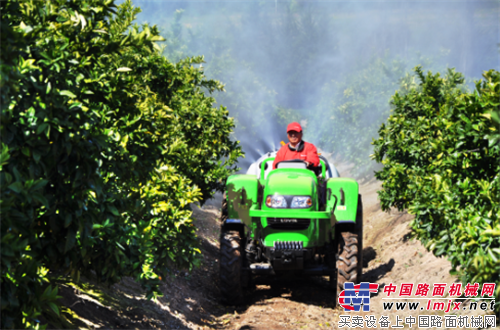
x,y
350,255
231,267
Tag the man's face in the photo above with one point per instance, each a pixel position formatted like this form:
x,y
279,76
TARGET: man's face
x,y
294,137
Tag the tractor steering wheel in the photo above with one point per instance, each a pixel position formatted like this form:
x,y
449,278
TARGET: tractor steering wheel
x,y
293,161
315,169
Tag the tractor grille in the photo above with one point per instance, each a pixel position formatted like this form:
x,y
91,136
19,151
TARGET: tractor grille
x,y
288,223
289,245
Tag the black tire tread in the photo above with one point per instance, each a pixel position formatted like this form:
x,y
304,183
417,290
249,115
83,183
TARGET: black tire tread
x,y
347,263
223,210
231,258
350,258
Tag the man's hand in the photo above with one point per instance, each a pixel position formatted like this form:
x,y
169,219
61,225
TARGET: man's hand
x,y
307,164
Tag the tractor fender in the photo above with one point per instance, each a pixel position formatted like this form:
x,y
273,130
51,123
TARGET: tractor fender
x,y
342,200
242,192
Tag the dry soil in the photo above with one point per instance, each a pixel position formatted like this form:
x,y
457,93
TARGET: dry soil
x,y
192,300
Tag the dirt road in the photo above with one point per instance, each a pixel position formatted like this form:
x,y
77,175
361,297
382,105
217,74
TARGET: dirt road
x,y
192,300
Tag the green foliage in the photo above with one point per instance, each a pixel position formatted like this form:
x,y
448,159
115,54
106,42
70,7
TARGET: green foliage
x,y
440,151
105,143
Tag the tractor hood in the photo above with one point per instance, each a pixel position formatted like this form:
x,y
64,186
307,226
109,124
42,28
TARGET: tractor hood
x,y
288,181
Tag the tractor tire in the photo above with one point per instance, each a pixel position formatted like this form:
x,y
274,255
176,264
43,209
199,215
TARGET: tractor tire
x,y
350,256
231,267
347,263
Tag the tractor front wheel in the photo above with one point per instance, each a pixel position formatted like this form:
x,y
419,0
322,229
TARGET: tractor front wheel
x,y
231,267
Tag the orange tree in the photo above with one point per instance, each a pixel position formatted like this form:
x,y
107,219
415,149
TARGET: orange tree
x,y
105,143
440,150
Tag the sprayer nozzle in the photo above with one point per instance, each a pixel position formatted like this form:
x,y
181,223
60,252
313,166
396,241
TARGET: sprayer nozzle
x,y
282,143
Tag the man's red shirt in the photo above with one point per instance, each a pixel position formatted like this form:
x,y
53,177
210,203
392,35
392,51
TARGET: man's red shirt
x,y
308,154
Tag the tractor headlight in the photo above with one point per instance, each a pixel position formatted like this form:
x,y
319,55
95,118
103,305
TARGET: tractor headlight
x,y
301,202
276,201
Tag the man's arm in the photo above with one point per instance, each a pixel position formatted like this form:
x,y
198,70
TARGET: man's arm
x,y
312,155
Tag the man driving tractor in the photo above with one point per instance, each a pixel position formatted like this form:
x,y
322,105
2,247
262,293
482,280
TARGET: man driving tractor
x,y
297,148
276,222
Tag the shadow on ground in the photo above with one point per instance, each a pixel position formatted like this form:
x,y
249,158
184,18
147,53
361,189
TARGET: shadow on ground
x,y
192,300
314,290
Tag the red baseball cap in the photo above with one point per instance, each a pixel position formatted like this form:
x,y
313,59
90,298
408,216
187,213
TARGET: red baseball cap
x,y
294,127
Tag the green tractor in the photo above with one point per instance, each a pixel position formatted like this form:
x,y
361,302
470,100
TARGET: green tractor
x,y
291,219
